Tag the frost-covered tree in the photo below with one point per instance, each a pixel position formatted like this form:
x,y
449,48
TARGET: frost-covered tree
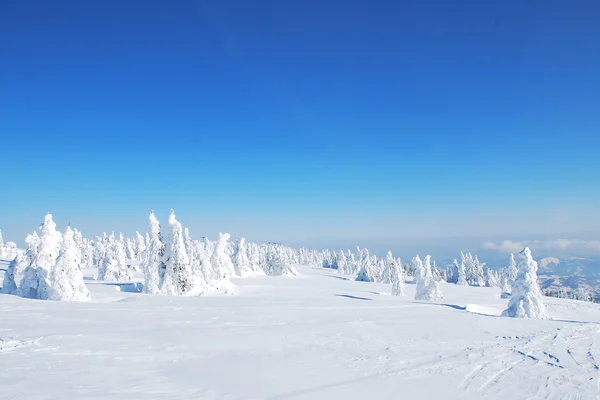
x,y
490,278
220,260
366,273
66,279
505,288
1,246
153,262
109,268
87,254
28,284
139,247
397,278
78,239
36,280
123,273
526,300
9,285
129,251
342,263
242,261
474,270
427,287
179,279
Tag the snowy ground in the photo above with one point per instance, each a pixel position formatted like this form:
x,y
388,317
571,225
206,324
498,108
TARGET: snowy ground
x,y
317,336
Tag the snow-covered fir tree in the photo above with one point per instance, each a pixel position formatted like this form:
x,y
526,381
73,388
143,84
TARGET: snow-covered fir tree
x,y
342,263
366,273
505,288
178,279
66,279
526,300
221,261
397,278
9,284
153,262
129,250
36,280
242,260
139,247
427,287
123,273
490,278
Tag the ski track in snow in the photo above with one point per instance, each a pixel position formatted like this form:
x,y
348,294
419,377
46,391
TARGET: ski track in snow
x,y
309,337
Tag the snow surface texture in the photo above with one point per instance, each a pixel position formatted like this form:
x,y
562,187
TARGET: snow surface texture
x,y
319,335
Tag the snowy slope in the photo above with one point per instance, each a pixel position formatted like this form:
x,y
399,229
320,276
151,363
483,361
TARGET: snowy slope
x,y
316,336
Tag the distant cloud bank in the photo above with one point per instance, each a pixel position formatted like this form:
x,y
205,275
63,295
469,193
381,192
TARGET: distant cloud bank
x,y
563,245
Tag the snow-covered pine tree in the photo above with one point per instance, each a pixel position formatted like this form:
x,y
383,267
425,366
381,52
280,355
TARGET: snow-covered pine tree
x,y
512,270
87,254
153,261
109,270
397,278
435,271
505,288
242,261
123,273
526,300
220,259
490,278
427,287
366,273
342,263
389,265
129,249
36,279
139,247
66,279
9,284
78,239
179,279
27,287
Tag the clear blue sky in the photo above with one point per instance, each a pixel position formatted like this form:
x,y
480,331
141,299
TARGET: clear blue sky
x,y
302,121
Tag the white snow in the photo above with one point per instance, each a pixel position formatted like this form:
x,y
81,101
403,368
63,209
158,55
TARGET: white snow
x,y
319,335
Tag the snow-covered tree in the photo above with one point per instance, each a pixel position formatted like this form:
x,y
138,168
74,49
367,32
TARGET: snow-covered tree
x,y
526,300
36,280
505,288
66,279
109,268
397,278
474,270
129,250
179,279
242,261
490,278
342,263
123,273
366,273
427,287
9,285
139,247
1,246
78,239
87,254
220,260
153,262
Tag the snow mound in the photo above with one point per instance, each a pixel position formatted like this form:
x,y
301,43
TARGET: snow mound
x,y
483,310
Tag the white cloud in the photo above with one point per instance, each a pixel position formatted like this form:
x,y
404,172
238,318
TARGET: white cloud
x,y
558,245
507,246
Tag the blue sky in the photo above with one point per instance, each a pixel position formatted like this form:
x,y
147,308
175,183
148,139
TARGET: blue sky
x,y
312,122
